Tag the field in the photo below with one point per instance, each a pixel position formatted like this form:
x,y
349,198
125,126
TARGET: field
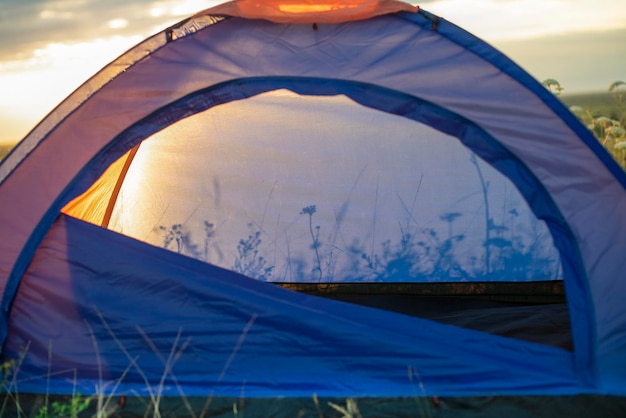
x,y
601,103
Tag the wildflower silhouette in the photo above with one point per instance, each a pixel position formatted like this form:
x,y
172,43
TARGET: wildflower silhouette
x,y
248,261
315,236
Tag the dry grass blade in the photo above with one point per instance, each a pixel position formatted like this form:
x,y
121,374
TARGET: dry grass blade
x,y
350,411
174,355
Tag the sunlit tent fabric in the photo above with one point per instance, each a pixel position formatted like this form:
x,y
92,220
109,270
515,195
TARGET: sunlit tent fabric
x,y
147,222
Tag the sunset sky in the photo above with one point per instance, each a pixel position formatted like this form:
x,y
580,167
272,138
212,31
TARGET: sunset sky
x,y
49,47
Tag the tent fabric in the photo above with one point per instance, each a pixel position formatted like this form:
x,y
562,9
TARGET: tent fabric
x,y
234,334
408,59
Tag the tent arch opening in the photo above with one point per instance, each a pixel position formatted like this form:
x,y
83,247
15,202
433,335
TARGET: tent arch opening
x,y
373,97
377,99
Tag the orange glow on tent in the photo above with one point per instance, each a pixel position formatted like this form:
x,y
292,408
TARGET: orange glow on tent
x,y
96,204
309,11
307,8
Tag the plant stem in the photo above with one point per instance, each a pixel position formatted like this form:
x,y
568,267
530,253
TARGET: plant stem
x,y
485,186
315,245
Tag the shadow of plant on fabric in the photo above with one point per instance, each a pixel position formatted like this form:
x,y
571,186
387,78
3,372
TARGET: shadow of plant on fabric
x,y
248,260
178,239
512,248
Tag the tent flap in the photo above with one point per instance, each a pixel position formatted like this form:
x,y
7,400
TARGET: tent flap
x,y
117,307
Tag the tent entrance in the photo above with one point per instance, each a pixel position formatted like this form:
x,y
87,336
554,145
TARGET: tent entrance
x,y
322,195
306,191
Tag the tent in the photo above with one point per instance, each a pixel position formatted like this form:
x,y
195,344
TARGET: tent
x,y
169,228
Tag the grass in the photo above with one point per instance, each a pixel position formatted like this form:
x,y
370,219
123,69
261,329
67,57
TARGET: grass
x,y
101,405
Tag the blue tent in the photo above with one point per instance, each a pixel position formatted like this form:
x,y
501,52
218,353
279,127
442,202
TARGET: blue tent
x,y
154,225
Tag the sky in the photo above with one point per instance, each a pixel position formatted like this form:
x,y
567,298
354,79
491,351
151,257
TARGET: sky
x,y
49,47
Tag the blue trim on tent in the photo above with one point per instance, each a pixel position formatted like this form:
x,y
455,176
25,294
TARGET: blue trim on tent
x,y
394,102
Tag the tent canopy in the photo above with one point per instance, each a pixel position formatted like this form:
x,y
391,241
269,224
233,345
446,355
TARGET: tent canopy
x,y
306,142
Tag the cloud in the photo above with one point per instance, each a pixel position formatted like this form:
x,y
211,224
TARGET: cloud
x,y
29,26
48,48
118,23
32,87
